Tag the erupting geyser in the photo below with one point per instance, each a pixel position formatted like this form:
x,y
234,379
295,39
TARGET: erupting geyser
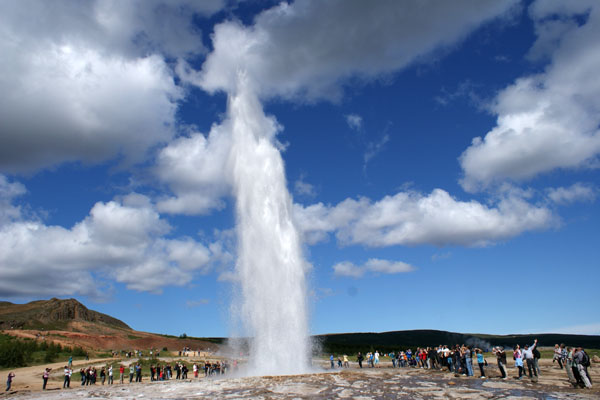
x,y
270,265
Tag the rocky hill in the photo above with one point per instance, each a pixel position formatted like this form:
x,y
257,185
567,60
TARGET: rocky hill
x,y
52,314
70,323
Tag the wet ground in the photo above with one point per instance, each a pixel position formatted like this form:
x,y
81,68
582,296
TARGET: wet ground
x,y
385,383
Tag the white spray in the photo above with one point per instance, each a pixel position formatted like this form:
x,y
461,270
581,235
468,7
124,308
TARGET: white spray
x,y
270,265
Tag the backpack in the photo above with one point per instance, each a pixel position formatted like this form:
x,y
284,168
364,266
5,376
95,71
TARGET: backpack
x,y
586,360
536,353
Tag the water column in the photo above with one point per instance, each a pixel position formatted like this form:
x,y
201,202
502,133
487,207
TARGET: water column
x,y
270,266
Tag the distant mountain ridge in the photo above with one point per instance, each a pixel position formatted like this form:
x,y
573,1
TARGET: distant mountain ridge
x,y
52,314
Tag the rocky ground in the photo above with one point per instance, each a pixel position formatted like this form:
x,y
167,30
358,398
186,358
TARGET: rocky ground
x,y
353,383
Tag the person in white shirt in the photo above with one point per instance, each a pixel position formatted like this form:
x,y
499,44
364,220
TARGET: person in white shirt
x,y
528,357
67,381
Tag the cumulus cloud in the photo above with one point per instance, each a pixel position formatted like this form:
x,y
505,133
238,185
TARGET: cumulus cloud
x,y
151,25
195,169
123,240
373,265
88,80
295,50
574,193
549,120
411,218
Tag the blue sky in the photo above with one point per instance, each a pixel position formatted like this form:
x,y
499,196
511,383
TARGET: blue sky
x,y
442,158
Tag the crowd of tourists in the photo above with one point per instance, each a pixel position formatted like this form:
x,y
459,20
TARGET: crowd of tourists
x,y
461,359
576,361
133,373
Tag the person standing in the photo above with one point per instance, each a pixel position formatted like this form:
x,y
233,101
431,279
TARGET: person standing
x,y
110,375
131,371
569,366
529,359
468,360
376,359
536,360
184,371
45,377
480,362
103,375
448,356
583,361
563,354
501,358
517,356
331,361
121,372
557,356
360,359
138,373
67,381
9,379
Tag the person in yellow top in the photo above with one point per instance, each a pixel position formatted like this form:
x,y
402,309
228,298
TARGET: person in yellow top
x,y
346,364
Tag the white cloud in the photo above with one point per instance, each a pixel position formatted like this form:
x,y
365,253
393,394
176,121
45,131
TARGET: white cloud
x,y
354,121
85,81
574,193
303,188
410,218
388,267
550,120
347,268
295,50
123,239
195,168
374,265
